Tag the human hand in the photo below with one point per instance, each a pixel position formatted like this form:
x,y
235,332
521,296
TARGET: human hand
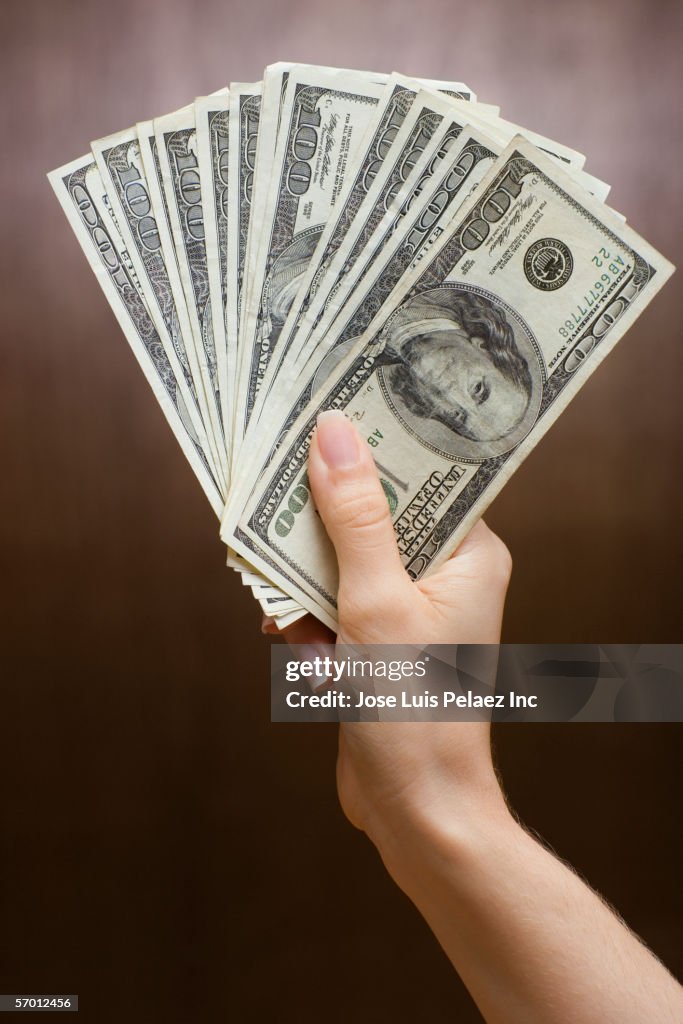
x,y
531,942
398,777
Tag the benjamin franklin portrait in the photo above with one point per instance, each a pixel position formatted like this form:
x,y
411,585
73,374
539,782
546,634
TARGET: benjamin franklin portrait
x,y
460,372
284,280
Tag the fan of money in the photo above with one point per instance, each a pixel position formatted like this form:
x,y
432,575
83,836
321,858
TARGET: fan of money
x,y
386,246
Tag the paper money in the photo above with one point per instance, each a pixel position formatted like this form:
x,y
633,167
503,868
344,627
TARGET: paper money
x,y
523,296
80,191
243,130
380,244
322,119
457,159
212,115
176,140
152,170
120,165
386,134
452,164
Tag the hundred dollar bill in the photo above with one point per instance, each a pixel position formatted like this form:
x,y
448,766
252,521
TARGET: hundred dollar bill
x,y
82,195
283,622
344,241
272,92
120,165
427,135
152,170
243,130
323,118
451,167
380,140
570,160
256,164
212,119
273,95
466,366
176,139
274,605
409,155
488,119
275,81
454,162
243,138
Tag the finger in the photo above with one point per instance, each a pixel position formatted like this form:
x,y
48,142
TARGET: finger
x,y
482,552
352,504
479,536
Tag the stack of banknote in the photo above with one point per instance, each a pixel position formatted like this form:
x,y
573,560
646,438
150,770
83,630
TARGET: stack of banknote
x,y
386,246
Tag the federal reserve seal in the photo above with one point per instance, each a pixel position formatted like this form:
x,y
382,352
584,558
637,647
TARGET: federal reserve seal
x,y
548,264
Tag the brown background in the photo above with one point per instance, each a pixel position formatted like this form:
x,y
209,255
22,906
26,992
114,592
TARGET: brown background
x,y
165,852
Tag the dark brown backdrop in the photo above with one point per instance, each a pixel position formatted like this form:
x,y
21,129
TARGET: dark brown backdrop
x,y
165,852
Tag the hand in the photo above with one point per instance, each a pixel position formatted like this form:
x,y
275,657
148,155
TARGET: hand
x,y
393,777
529,939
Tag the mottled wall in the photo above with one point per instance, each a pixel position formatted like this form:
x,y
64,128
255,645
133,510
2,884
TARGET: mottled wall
x,y
156,833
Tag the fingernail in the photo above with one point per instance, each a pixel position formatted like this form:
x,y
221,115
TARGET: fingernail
x,y
337,440
267,624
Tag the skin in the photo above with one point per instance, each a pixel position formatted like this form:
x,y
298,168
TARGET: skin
x,y
459,376
531,941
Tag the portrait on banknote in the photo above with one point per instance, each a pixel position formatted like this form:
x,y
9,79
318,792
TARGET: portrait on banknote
x,y
460,372
284,280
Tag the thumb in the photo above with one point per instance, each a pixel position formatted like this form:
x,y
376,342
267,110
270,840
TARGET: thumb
x,y
353,506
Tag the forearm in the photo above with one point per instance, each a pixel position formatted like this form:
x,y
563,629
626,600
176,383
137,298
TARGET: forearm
x,y
531,941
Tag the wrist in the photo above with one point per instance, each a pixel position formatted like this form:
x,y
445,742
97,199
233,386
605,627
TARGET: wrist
x,y
455,830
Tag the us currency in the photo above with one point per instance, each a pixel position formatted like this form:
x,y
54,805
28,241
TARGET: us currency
x,y
212,119
274,605
409,157
451,167
565,155
273,94
364,239
360,212
356,252
176,139
464,368
249,575
120,165
152,171
503,131
283,622
275,82
380,139
82,195
243,132
425,137
273,90
243,135
454,162
322,119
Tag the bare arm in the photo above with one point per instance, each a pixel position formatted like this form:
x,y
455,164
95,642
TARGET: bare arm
x,y
531,941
